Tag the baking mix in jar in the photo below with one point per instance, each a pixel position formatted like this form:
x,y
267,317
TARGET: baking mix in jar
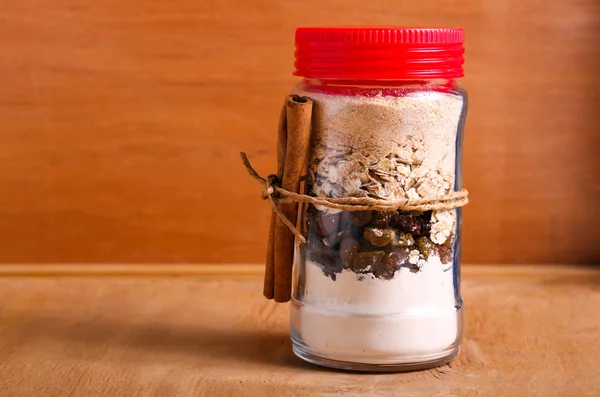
x,y
376,282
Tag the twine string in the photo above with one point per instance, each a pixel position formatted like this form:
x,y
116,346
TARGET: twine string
x,y
275,194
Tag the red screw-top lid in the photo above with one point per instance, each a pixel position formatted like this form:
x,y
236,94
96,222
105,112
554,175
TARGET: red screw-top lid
x,y
379,53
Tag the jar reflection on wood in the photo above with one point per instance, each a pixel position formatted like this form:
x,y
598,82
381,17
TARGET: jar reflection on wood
x,y
380,289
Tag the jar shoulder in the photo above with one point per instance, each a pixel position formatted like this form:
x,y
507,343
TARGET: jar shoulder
x,y
375,88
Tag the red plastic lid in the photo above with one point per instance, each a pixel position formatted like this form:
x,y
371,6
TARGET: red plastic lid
x,y
379,53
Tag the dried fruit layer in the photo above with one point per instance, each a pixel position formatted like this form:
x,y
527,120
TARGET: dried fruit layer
x,y
381,246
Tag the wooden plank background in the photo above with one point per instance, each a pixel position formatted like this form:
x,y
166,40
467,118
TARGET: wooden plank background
x,y
121,122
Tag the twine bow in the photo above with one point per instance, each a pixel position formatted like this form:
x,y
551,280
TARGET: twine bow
x,y
272,187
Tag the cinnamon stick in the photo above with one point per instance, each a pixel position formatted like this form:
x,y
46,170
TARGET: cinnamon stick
x,y
269,282
298,121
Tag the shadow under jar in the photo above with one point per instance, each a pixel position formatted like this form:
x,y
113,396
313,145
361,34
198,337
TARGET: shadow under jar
x,y
376,290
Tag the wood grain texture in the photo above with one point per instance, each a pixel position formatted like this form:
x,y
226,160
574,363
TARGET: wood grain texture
x,y
120,124
94,336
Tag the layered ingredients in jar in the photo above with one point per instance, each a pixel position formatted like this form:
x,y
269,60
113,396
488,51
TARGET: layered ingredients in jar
x,y
378,286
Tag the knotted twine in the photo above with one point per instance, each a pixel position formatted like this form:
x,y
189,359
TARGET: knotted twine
x,y
275,194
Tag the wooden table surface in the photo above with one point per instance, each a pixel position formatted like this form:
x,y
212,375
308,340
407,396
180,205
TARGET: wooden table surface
x,y
529,332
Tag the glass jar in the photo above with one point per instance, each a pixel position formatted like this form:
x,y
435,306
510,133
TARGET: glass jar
x,y
379,290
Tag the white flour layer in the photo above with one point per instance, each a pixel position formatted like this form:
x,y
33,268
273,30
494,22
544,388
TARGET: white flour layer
x,y
412,315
